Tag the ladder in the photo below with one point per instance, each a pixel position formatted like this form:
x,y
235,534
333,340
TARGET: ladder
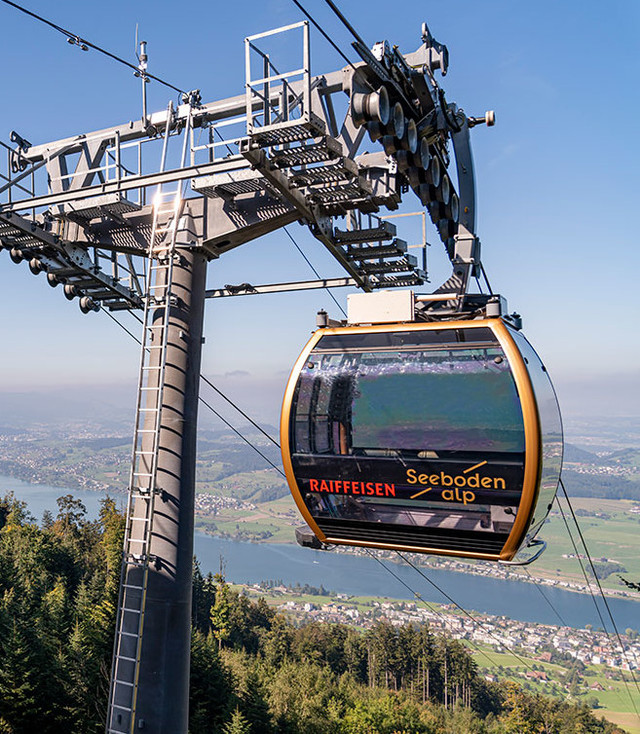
x,y
137,558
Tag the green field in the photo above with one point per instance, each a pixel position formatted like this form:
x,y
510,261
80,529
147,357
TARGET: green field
x,y
615,536
271,522
248,485
614,702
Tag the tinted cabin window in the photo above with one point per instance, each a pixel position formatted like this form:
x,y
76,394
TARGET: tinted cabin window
x,y
413,399
552,441
302,414
444,400
410,435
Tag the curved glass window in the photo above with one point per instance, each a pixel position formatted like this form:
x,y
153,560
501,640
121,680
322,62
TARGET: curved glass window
x,y
410,400
415,437
551,435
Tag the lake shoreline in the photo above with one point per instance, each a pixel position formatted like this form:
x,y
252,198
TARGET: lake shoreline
x,y
561,583
514,597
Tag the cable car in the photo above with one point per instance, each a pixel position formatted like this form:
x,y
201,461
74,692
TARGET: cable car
x,y
433,437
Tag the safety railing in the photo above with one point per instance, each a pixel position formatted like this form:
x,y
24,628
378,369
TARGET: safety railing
x,y
272,102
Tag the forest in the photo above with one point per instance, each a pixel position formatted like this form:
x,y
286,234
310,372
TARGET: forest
x,y
252,670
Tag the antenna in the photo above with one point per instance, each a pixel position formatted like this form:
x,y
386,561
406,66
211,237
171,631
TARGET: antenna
x,y
142,73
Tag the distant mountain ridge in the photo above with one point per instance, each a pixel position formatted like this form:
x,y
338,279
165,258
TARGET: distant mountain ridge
x,y
609,476
622,457
574,454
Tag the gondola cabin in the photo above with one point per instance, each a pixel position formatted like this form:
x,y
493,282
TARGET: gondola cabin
x,y
440,437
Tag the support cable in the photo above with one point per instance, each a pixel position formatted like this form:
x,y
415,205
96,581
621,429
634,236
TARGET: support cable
x,y
317,274
429,606
84,45
326,36
595,576
242,413
545,597
584,572
486,279
205,403
345,22
246,440
586,578
120,324
226,144
475,621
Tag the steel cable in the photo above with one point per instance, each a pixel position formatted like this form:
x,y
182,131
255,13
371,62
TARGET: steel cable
x,y
84,44
242,413
206,404
325,35
246,440
286,231
593,598
593,571
458,606
429,606
546,598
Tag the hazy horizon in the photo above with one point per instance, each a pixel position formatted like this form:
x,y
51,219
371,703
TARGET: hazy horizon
x,y
597,398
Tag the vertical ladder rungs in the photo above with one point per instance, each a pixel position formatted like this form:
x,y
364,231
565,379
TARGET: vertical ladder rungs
x,y
139,530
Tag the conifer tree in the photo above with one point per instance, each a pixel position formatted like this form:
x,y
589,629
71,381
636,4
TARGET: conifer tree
x,y
254,703
211,690
219,613
237,725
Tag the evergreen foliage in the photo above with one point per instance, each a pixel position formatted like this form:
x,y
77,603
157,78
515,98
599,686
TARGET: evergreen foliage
x,y
58,598
252,671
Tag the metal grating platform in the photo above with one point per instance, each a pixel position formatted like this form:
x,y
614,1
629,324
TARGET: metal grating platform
x,y
418,277
366,205
12,238
98,206
19,232
342,194
401,265
235,183
385,231
289,132
343,170
394,249
325,149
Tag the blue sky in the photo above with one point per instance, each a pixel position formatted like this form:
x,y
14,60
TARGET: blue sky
x,y
558,177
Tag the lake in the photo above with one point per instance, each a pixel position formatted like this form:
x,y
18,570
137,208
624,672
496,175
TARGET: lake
x,y
351,574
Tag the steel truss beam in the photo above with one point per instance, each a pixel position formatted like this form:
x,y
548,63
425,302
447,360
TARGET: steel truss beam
x,y
84,169
247,289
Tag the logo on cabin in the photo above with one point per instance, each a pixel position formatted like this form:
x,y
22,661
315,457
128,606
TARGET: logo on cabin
x,y
455,488
451,487
378,489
